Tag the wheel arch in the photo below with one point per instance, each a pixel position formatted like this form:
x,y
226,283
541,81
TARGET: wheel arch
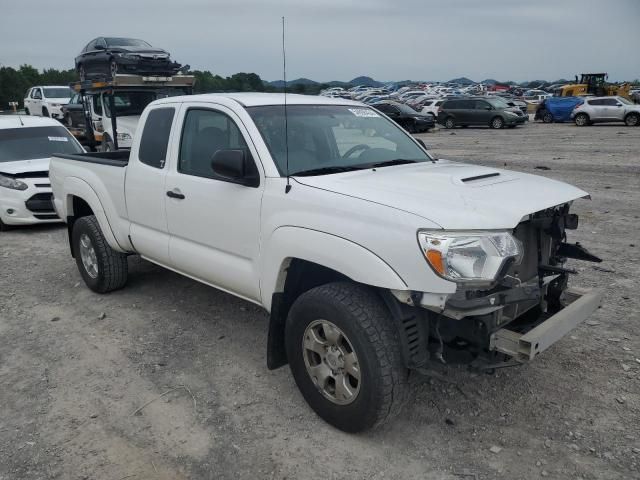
x,y
312,259
80,201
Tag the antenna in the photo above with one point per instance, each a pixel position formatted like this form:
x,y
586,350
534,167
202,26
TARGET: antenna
x,y
286,123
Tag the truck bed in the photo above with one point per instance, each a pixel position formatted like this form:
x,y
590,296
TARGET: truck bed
x,y
119,158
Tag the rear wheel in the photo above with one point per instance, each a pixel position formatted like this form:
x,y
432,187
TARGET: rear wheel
x,y
82,73
102,268
345,356
497,123
449,123
582,120
547,117
632,120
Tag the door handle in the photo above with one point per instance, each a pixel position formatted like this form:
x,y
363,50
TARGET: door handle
x,y
175,193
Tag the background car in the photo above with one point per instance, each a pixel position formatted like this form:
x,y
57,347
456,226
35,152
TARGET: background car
x,y
112,55
491,111
405,116
46,101
26,145
557,109
606,109
431,107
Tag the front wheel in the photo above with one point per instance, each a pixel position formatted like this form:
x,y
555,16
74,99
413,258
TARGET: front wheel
x,y
582,119
26,111
345,356
45,112
632,120
449,123
547,117
113,68
102,268
497,123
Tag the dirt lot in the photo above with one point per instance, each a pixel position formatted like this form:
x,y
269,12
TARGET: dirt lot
x,y
75,366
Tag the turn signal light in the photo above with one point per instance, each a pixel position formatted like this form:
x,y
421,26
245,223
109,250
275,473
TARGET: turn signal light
x,y
435,260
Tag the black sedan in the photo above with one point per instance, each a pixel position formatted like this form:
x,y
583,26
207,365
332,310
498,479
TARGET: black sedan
x,y
405,116
108,56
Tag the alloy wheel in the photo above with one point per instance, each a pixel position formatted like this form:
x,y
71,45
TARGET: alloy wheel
x,y
88,256
331,362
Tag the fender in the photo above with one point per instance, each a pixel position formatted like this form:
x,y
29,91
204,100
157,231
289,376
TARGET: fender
x,y
76,187
331,251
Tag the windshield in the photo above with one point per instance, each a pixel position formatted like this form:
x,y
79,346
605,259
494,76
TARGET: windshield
x,y
126,42
35,142
61,92
332,136
130,103
497,102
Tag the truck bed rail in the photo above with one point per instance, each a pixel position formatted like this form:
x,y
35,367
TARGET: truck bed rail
x,y
119,158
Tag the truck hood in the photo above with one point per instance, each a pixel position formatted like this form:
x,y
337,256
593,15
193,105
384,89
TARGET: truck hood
x,y
60,101
128,124
455,196
23,166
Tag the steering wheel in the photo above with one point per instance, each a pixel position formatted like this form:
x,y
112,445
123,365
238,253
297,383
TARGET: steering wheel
x,y
354,149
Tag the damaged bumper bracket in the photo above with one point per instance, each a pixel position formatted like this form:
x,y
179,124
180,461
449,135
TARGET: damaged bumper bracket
x,y
524,347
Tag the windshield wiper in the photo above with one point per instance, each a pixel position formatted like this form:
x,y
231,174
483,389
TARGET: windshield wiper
x,y
389,163
326,171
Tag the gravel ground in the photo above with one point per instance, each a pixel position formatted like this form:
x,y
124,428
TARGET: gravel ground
x,y
76,366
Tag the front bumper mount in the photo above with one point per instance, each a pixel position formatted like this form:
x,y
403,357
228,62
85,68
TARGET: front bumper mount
x,y
523,347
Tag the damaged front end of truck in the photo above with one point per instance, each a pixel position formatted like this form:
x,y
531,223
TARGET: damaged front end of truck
x,y
524,310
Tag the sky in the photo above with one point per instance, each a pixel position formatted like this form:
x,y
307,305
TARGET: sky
x,y
340,39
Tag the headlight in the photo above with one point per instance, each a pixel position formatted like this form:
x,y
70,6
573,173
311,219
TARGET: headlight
x,y
123,137
469,256
12,183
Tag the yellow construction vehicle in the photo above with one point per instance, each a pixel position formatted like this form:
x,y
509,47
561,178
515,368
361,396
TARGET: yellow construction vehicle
x,y
593,84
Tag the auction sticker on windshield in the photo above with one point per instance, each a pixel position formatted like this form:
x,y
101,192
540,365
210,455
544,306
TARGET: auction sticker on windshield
x,y
363,112
58,139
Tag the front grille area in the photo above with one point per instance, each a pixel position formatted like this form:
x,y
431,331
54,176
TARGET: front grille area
x,y
40,202
528,235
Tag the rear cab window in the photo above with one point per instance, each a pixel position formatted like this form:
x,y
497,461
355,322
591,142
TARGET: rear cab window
x,y
155,137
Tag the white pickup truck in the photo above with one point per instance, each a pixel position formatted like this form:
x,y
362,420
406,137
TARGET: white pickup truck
x,y
373,258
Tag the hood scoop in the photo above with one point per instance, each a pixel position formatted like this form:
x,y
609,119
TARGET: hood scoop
x,y
479,177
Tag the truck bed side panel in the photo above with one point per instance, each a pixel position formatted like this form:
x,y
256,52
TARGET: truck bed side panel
x,y
100,183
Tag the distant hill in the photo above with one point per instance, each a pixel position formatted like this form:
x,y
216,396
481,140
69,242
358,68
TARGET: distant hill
x,y
302,81
489,81
462,81
367,81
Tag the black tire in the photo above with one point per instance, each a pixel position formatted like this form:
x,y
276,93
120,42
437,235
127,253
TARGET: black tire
x,y
82,73
26,111
112,267
107,145
449,122
632,120
4,227
547,117
68,121
45,112
582,120
363,318
496,123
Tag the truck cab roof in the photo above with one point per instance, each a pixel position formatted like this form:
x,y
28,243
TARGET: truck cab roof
x,y
255,99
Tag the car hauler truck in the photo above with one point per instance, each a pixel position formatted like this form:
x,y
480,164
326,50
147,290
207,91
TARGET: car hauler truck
x,y
113,106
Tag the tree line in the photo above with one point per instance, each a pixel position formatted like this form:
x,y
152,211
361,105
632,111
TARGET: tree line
x,y
14,83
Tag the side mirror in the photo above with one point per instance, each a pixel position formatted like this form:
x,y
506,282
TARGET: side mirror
x,y
232,165
424,145
488,107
